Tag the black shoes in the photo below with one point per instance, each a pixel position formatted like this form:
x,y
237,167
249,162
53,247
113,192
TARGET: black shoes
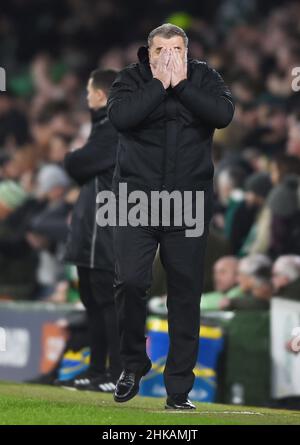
x,y
70,384
128,384
101,383
180,402
89,381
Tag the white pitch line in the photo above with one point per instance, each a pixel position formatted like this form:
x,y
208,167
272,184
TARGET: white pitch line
x,y
208,412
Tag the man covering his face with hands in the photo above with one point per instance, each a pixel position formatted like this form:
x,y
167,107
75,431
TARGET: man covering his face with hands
x,y
165,108
168,63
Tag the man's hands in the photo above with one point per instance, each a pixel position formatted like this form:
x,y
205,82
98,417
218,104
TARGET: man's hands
x,y
170,69
160,69
178,68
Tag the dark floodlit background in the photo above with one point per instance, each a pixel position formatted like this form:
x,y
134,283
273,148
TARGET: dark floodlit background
x,y
48,48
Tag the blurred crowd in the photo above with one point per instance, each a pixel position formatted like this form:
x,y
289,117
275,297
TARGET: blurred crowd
x,y
49,48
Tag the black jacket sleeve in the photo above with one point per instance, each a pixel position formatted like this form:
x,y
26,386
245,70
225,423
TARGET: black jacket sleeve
x,y
211,100
128,104
94,158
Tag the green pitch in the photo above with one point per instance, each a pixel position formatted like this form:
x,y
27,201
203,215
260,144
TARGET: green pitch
x,y
22,404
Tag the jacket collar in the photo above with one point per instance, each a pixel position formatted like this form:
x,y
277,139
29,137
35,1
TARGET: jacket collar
x,y
143,58
144,65
98,115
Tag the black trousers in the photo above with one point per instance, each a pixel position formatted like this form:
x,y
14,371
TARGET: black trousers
x,y
183,260
96,293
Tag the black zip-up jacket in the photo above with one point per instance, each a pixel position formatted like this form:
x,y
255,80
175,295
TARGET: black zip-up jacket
x,y
92,167
165,136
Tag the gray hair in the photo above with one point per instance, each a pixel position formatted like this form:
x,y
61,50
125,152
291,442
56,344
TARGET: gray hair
x,y
167,30
288,266
251,264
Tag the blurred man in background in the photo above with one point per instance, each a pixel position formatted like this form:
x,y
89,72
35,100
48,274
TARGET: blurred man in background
x,y
286,277
225,273
91,247
254,279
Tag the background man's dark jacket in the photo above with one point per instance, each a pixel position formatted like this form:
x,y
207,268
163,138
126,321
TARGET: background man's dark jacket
x,y
165,136
92,167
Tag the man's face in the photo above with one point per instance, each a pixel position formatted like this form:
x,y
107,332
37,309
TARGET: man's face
x,y
159,43
95,97
224,275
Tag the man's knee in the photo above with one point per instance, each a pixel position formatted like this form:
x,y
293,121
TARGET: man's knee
x,y
133,285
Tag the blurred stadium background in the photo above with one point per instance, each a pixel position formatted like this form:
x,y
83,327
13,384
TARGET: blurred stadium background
x,y
252,286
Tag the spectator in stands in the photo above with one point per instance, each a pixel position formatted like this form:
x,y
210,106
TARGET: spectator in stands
x,y
225,283
14,129
17,260
229,188
284,205
293,143
257,188
255,281
286,277
48,230
231,196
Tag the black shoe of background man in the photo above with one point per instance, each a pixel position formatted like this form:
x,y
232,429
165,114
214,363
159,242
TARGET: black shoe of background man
x,y
71,383
128,384
179,401
101,383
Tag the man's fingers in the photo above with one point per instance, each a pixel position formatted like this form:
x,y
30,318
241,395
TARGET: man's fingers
x,y
170,58
170,62
177,58
166,57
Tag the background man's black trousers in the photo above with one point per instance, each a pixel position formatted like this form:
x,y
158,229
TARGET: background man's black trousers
x,y
183,260
96,293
